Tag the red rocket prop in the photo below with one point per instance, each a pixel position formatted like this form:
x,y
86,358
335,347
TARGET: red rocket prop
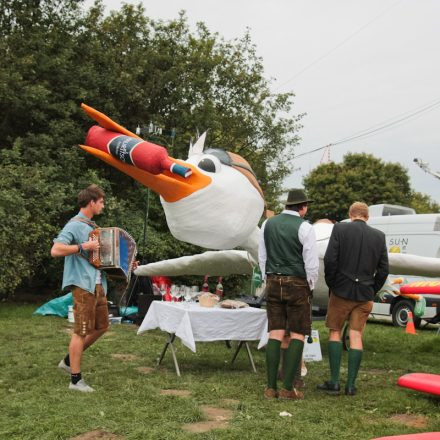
x,y
133,151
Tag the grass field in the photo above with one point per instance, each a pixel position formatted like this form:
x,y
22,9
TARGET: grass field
x,y
129,401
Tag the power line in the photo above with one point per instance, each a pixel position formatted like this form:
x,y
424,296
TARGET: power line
x,y
385,126
317,60
375,129
426,106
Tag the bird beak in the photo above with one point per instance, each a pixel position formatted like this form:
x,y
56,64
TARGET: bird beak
x,y
170,186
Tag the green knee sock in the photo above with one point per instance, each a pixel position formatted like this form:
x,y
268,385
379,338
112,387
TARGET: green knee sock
x,y
298,372
293,360
283,366
354,362
334,359
283,362
272,362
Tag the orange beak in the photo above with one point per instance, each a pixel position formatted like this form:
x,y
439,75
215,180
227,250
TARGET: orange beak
x,y
170,186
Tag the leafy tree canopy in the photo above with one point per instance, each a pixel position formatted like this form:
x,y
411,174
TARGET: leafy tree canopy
x,y
55,55
360,177
423,204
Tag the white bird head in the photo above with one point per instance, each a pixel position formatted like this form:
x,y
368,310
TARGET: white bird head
x,y
223,214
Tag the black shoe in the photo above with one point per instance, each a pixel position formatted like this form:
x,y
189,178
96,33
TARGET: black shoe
x,y
350,391
330,387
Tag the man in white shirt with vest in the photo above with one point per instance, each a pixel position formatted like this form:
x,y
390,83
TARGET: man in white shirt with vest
x,y
288,257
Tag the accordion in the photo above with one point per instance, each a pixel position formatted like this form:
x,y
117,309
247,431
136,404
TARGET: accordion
x,y
116,253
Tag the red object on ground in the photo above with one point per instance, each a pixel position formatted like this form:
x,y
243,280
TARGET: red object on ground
x,y
410,325
424,382
431,287
420,436
137,152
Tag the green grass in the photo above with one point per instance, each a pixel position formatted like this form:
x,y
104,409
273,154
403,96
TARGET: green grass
x,y
36,404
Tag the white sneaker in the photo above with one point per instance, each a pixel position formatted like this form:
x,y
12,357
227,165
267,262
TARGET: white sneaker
x,y
64,366
81,386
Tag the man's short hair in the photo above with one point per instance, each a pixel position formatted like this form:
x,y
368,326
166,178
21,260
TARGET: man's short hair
x,y
92,192
296,207
358,209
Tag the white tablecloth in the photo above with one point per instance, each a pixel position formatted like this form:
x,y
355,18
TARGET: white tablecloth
x,y
192,323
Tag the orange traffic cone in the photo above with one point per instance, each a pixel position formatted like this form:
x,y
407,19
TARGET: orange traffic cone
x,y
410,325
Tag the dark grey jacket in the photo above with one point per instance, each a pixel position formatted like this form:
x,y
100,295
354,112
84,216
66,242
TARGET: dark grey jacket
x,y
356,261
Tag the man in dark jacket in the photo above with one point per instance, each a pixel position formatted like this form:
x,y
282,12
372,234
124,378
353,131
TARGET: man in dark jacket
x,y
356,267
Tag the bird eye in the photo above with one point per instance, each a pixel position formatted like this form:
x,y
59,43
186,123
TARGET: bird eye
x,y
210,164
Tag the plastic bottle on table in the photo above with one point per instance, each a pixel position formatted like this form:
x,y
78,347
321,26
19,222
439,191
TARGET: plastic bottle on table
x,y
205,285
219,287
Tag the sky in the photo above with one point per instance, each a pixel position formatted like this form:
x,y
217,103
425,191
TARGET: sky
x,y
352,65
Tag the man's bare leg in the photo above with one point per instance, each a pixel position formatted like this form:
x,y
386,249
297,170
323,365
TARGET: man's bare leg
x,y
77,346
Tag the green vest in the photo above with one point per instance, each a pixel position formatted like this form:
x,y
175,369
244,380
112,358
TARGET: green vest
x,y
283,248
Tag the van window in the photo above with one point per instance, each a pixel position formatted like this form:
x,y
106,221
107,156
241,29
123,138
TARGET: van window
x,y
396,210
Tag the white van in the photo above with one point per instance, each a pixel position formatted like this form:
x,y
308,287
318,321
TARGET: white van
x,y
407,233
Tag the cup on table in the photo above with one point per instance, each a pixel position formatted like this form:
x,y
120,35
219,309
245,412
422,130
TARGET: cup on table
x,y
174,291
163,291
181,291
194,292
187,296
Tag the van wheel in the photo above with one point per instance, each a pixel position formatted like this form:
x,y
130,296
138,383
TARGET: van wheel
x,y
400,314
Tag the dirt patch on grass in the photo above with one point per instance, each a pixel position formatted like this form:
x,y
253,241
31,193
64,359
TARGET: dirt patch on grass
x,y
218,418
410,420
179,393
231,402
215,413
125,357
97,435
204,426
145,370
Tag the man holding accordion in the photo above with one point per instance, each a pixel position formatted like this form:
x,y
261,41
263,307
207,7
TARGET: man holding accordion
x,y
87,283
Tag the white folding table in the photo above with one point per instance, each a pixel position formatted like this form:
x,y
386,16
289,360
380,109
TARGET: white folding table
x,y
193,323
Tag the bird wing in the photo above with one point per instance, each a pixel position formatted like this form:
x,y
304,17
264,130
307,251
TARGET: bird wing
x,y
213,263
406,264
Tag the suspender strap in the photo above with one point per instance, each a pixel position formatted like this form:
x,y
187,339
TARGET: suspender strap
x,y
83,220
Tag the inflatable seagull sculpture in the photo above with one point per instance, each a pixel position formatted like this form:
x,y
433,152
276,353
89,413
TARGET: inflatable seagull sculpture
x,y
212,200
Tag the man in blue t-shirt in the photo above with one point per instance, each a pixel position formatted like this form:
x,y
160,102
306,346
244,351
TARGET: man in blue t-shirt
x,y
88,284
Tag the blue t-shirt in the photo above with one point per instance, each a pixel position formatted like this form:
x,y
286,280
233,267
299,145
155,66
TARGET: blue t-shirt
x,y
77,269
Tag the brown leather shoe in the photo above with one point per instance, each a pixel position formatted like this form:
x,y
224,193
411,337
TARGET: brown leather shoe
x,y
290,395
299,383
270,393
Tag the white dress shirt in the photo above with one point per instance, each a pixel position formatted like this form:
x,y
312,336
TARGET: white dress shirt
x,y
307,238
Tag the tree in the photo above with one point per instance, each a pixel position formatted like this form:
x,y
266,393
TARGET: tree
x,y
360,177
423,204
56,55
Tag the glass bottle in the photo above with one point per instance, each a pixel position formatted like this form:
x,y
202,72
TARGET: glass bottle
x,y
219,287
205,286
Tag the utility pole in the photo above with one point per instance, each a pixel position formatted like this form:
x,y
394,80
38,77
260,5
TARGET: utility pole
x,y
425,167
326,155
